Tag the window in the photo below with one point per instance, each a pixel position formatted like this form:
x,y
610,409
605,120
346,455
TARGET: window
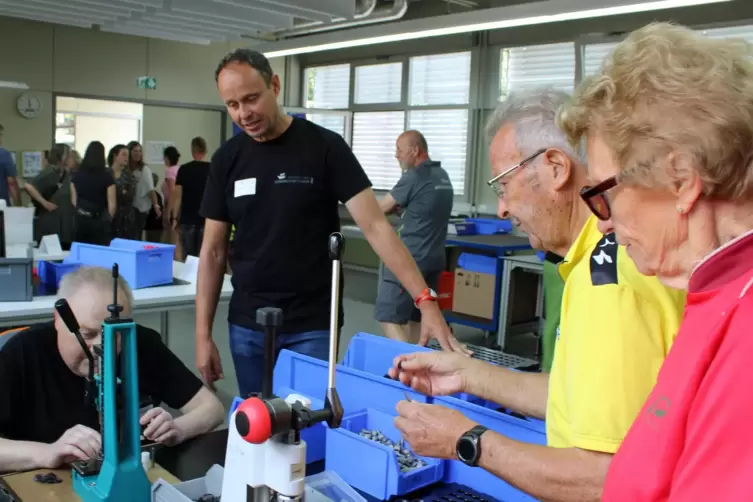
x,y
327,87
446,132
593,55
334,123
443,79
551,65
744,32
374,135
378,83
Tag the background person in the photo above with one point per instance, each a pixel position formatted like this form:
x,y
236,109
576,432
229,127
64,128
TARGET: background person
x,y
669,128
145,199
187,196
9,185
94,197
50,192
424,195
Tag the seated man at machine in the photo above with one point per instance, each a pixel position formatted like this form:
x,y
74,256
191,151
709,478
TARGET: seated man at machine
x,y
45,421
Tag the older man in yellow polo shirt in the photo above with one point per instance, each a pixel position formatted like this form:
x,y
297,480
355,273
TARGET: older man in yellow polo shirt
x,y
616,328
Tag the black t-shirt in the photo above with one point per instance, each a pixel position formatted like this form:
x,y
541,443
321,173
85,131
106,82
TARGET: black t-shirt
x,y
193,178
41,398
91,189
282,196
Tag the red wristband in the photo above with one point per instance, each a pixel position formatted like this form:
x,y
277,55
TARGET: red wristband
x,y
426,295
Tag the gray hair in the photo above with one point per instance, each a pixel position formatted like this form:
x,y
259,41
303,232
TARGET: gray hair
x,y
98,278
534,114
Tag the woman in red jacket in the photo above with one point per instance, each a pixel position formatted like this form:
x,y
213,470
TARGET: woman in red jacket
x,y
668,125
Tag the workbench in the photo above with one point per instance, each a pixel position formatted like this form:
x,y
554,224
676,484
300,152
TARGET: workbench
x,y
157,299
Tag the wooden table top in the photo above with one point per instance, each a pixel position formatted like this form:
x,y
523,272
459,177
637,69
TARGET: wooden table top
x,y
28,490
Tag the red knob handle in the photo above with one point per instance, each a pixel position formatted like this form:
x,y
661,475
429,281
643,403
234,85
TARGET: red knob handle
x,y
253,421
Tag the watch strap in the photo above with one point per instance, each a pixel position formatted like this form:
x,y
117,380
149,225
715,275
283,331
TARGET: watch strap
x,y
473,436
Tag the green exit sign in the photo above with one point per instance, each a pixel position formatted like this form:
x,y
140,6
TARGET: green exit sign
x,y
147,83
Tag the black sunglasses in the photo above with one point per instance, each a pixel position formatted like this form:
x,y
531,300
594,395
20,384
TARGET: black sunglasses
x,y
596,199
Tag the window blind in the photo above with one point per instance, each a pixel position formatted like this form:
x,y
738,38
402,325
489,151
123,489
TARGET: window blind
x,y
446,132
744,32
327,87
441,79
550,65
379,83
374,136
334,123
593,55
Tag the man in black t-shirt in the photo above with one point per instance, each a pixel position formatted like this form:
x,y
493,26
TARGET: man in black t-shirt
x,y
44,419
279,184
188,192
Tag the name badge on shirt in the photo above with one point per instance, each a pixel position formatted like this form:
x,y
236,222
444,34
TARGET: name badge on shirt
x,y
245,187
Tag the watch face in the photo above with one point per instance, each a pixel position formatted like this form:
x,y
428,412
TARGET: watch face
x,y
466,449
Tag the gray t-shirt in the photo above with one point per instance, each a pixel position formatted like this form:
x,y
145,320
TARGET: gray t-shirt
x,y
7,170
425,196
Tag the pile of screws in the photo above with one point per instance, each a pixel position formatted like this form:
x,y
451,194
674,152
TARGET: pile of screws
x,y
208,498
405,458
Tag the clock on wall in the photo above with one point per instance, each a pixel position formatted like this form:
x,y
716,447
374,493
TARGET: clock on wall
x,y
29,105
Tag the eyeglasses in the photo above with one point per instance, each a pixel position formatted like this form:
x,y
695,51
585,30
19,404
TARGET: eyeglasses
x,y
596,199
493,182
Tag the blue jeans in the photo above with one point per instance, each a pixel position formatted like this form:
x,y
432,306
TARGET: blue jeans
x,y
247,347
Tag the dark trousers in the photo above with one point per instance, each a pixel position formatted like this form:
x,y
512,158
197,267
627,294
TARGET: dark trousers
x,y
247,347
93,229
191,237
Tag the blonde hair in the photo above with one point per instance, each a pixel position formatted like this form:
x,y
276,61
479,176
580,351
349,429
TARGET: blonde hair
x,y
667,90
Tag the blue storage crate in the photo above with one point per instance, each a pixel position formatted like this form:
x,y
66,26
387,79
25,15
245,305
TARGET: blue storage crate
x,y
370,466
491,226
464,228
50,272
375,355
140,264
357,390
315,436
520,429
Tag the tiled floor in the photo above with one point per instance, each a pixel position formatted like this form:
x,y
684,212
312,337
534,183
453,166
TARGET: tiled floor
x,y
360,295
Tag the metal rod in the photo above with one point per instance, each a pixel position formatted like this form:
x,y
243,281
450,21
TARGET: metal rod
x,y
334,322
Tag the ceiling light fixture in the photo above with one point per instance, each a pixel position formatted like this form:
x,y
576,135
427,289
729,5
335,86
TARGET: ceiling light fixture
x,y
553,13
13,85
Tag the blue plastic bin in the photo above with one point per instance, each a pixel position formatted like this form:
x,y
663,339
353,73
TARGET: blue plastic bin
x,y
375,354
370,466
140,264
478,263
315,436
465,228
357,390
50,272
491,226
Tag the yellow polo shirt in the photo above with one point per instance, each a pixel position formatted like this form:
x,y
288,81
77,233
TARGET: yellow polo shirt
x,y
616,329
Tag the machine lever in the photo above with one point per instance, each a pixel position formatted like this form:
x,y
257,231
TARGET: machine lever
x,y
270,318
332,400
69,319
115,308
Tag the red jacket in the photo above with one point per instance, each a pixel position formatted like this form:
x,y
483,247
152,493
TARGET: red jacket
x,y
693,440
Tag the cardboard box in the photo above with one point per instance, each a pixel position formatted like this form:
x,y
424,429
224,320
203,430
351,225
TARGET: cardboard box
x,y
473,294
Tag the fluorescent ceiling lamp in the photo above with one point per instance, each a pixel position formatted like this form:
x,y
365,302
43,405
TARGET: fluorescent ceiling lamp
x,y
506,22
13,85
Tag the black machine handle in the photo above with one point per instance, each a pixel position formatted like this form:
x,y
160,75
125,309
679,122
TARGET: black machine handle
x,y
271,319
70,321
115,308
332,400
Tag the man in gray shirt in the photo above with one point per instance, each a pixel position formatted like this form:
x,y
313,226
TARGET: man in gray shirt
x,y
423,196
8,176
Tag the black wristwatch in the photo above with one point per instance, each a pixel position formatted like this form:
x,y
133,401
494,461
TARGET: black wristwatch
x,y
468,447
